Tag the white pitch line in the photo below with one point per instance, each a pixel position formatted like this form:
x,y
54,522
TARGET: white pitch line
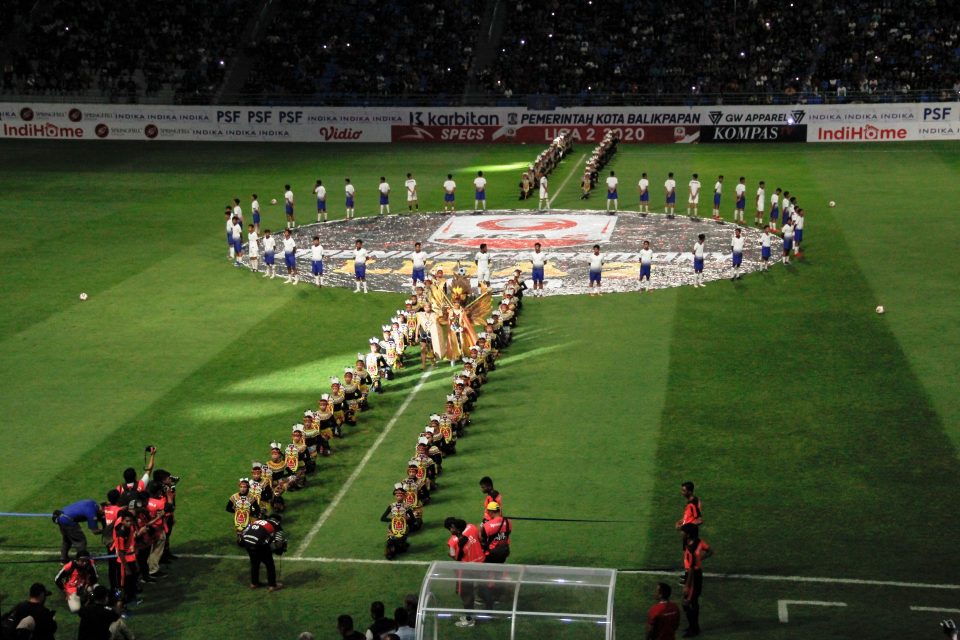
x,y
722,576
782,605
935,609
359,469
565,181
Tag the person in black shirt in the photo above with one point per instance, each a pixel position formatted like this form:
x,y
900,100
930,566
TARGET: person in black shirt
x,y
34,620
381,623
100,621
261,539
345,627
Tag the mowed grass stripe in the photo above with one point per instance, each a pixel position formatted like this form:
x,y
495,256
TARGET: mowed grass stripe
x,y
904,246
795,411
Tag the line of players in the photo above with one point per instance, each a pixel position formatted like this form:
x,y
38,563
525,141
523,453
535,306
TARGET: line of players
x,y
289,464
438,438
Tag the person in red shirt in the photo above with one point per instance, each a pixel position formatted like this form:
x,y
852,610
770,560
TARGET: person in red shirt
x,y
693,509
490,495
495,535
663,618
464,546
76,581
695,551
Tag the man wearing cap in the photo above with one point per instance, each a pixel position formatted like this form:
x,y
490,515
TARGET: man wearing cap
x,y
69,520
76,580
495,535
33,620
243,507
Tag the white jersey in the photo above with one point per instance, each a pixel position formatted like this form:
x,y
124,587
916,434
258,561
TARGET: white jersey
x,y
670,185
798,223
321,192
646,256
761,198
737,244
419,259
538,259
644,185
788,231
774,200
384,188
480,183
288,196
230,225
765,240
741,189
254,248
718,187
255,206
349,190
543,188
694,190
237,211
411,186
289,245
316,252
483,261
698,250
449,186
236,232
360,256
269,244
612,183
596,262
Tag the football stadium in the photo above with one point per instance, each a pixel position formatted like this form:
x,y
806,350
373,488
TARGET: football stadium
x,y
525,284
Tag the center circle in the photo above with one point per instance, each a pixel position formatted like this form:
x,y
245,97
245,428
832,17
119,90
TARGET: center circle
x,y
518,224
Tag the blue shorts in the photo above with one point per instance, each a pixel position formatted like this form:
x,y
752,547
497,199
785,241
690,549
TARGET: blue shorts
x,y
349,203
321,206
384,199
594,277
256,217
612,195
787,244
290,259
229,239
268,258
317,267
774,213
644,271
716,199
645,196
741,203
418,275
698,264
737,259
289,209
238,245
448,197
359,270
537,274
765,253
481,195
798,235
672,198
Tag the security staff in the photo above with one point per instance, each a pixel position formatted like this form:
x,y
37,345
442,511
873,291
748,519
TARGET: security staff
x,y
262,539
495,535
695,551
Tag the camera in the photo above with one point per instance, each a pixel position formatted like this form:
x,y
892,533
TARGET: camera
x,y
147,448
175,479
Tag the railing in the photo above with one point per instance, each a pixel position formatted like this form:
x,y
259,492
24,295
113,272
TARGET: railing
x,y
534,101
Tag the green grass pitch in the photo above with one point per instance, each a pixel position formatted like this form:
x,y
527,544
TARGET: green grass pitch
x,y
823,437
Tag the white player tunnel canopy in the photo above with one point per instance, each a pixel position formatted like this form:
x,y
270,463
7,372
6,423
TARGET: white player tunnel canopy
x,y
516,601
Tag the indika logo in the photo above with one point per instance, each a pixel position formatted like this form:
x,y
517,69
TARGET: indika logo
x,y
151,131
101,130
75,115
715,117
26,114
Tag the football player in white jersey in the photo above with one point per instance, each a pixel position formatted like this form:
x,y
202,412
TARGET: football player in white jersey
x,y
413,200
761,204
693,200
670,190
644,188
612,198
384,189
544,193
253,247
449,193
741,196
482,260
736,244
717,193
596,269
480,192
321,192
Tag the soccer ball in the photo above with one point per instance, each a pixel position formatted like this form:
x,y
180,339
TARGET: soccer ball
x,y
832,204
274,201
83,296
880,308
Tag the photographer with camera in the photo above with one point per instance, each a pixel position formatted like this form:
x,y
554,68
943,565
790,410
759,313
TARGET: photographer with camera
x,y
262,539
168,489
131,484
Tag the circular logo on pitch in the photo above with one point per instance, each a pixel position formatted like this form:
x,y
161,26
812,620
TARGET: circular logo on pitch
x,y
151,131
75,115
101,130
26,114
